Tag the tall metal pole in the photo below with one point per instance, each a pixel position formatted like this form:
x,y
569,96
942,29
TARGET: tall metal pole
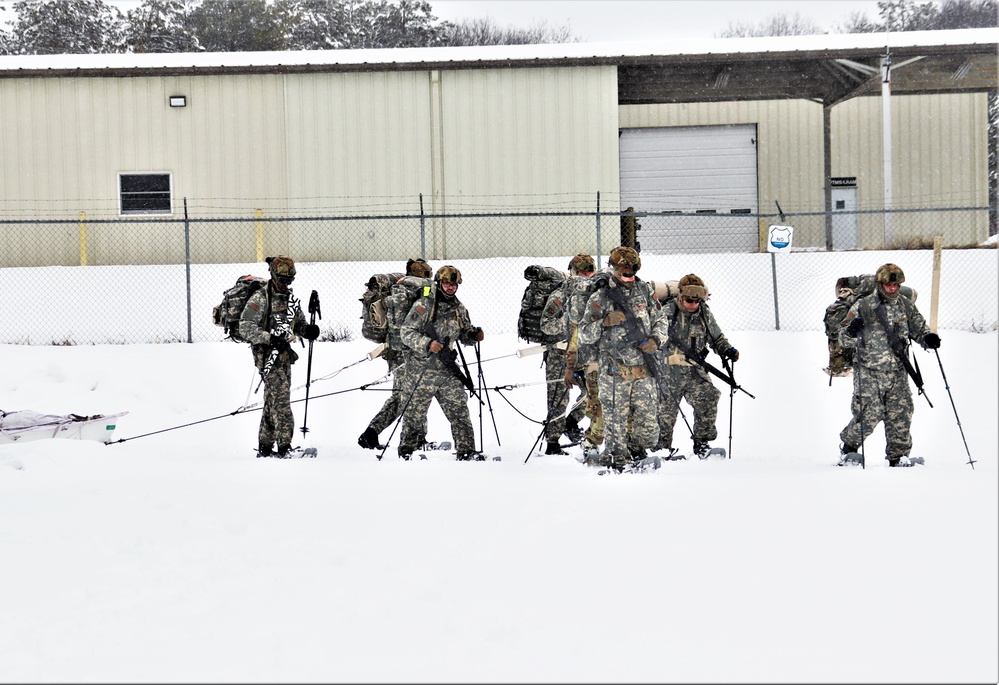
x,y
886,140
187,261
599,251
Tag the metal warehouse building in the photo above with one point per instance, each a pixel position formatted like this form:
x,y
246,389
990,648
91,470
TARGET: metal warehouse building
x,y
725,126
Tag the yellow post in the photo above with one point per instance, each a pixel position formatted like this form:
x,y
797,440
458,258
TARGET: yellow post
x,y
260,236
935,292
83,238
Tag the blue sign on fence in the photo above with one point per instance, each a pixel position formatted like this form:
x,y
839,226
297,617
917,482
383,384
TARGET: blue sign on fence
x,y
779,238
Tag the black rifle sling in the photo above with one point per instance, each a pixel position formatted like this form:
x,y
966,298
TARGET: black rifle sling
x,y
898,346
617,297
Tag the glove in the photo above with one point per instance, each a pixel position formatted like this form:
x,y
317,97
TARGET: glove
x,y
932,341
857,325
436,346
478,335
732,354
615,318
570,376
280,343
649,346
310,331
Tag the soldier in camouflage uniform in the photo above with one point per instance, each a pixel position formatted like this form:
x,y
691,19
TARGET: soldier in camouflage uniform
x,y
393,355
880,384
435,324
270,321
554,321
625,322
690,322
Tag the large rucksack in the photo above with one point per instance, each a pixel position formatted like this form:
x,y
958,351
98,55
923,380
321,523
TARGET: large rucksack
x,y
542,281
397,305
227,313
374,326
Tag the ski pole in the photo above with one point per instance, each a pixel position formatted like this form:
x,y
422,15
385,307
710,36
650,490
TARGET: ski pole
x,y
970,460
489,403
403,412
730,367
544,425
313,312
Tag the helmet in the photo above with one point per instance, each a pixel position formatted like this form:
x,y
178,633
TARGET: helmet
x,y
890,273
692,287
448,273
625,259
282,269
581,263
419,268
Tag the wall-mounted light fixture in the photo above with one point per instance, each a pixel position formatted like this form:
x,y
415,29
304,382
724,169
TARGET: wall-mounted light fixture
x,y
178,101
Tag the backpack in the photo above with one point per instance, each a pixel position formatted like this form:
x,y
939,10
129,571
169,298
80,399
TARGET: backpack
x,y
542,281
374,326
849,289
227,313
397,305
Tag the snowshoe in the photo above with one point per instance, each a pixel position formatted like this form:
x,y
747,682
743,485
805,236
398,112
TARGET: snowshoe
x,y
851,459
905,461
705,451
644,465
674,455
444,446
296,453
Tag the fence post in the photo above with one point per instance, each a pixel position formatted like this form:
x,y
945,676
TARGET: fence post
x,y
83,238
187,262
423,231
935,289
773,270
600,252
259,234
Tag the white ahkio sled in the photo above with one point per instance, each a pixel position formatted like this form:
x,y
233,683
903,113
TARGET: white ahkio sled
x,y
27,425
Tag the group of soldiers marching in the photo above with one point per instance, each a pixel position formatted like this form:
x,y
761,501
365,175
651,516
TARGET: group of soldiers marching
x,y
634,348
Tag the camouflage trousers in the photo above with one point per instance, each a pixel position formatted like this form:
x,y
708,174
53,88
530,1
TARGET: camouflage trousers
x,y
629,411
595,431
689,383
392,408
879,396
558,394
277,423
423,384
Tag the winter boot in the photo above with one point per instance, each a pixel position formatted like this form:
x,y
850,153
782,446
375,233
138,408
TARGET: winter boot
x,y
591,454
701,449
637,453
573,431
470,456
554,448
369,439
899,461
265,451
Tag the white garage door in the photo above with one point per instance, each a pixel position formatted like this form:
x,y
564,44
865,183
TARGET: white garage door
x,y
706,171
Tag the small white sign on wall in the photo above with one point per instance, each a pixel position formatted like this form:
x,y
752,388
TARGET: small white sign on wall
x,y
779,238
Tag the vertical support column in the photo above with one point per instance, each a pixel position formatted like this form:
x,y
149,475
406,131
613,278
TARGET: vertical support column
x,y
827,172
886,143
438,196
260,235
935,289
83,238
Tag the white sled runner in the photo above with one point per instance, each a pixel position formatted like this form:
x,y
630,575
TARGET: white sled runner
x,y
27,425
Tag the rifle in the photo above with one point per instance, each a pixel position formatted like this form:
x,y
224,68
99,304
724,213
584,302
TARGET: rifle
x,y
632,333
282,329
448,358
899,348
700,360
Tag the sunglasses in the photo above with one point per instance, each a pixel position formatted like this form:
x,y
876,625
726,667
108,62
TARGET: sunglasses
x,y
691,300
285,280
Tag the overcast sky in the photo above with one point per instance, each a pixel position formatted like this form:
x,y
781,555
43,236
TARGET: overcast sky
x,y
614,20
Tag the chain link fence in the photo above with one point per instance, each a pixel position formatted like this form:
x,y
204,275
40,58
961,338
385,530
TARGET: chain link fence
x,y
133,281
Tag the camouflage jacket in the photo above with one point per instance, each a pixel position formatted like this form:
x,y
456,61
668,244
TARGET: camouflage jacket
x,y
268,310
555,315
614,341
449,318
872,348
698,331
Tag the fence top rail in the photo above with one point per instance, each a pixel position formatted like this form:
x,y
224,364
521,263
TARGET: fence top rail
x,y
471,215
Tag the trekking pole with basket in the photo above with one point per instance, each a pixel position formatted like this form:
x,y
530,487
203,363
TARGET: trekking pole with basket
x,y
314,311
971,461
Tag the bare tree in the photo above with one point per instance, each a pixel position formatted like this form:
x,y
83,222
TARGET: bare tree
x,y
780,24
484,31
159,26
50,27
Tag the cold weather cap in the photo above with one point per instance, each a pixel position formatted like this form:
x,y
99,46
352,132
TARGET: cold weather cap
x,y
890,273
419,268
448,273
692,287
581,263
625,259
281,266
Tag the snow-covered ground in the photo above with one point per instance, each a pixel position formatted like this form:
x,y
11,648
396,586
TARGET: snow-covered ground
x,y
174,555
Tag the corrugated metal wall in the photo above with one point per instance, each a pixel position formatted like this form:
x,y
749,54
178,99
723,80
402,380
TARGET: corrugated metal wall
x,y
939,159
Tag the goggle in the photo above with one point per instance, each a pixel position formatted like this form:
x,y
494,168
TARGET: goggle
x,y
691,300
284,280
